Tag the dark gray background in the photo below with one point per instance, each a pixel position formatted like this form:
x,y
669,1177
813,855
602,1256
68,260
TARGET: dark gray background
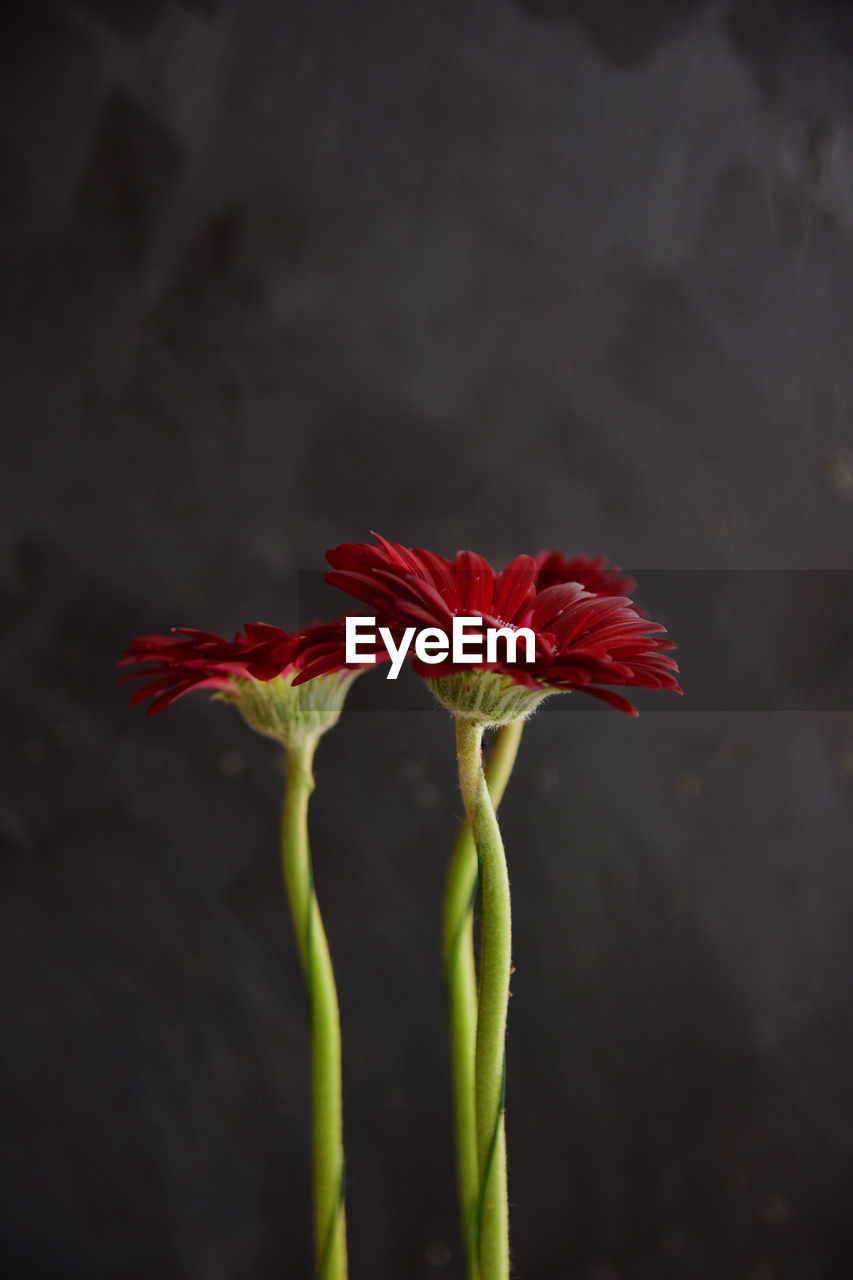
x,y
493,275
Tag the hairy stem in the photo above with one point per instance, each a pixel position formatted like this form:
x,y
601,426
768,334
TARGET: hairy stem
x,y
325,1030
492,1227
461,978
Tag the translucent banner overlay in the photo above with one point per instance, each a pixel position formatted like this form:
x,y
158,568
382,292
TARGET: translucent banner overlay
x,y
747,640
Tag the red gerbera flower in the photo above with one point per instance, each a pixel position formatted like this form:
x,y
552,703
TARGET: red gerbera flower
x,y
189,659
583,638
553,569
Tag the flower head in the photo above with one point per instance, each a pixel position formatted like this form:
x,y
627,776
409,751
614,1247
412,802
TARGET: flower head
x,y
587,634
286,685
553,569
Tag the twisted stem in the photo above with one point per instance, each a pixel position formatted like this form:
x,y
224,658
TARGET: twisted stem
x,y
461,979
324,1019
492,1214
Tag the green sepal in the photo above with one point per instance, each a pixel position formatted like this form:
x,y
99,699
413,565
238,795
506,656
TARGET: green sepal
x,y
487,697
291,714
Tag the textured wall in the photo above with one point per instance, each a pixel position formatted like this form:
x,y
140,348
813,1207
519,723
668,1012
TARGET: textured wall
x,y
497,275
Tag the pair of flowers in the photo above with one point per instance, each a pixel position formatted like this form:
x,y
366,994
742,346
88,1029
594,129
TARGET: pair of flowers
x,y
292,687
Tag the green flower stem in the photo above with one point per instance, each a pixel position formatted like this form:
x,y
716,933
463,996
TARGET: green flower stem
x,y
326,1109
495,961
461,977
